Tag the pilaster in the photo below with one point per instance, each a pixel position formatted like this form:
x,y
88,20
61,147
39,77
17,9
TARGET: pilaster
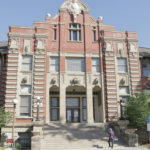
x,y
62,99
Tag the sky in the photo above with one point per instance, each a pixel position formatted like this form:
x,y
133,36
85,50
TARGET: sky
x,y
127,15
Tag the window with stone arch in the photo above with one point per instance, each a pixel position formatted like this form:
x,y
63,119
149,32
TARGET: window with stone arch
x,y
74,32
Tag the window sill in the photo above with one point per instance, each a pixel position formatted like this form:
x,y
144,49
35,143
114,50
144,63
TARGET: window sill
x,y
27,53
23,117
26,71
95,73
75,41
54,40
123,73
25,94
124,94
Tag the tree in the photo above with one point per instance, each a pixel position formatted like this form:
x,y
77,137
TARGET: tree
x,y
5,118
137,110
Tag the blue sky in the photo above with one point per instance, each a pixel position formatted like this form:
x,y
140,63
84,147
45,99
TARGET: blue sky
x,y
132,15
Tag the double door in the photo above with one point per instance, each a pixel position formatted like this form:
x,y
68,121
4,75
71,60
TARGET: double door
x,y
73,115
73,110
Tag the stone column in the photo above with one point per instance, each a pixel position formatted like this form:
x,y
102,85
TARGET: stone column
x,y
89,96
48,105
62,104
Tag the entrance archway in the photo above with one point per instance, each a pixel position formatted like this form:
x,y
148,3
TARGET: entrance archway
x,y
76,105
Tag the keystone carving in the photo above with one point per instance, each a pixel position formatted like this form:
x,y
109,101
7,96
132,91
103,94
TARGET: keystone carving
x,y
24,80
75,8
122,82
75,81
95,82
53,81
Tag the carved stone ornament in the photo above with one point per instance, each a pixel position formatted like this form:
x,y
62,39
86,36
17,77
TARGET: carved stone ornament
x,y
53,81
95,82
122,82
120,49
40,44
24,80
132,47
27,46
109,46
14,43
75,81
74,7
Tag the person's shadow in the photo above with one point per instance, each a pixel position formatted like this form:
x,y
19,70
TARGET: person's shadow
x,y
97,146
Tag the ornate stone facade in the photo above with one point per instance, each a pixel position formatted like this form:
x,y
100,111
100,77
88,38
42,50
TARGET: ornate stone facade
x,y
79,67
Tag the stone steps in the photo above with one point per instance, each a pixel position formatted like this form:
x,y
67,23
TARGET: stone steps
x,y
74,137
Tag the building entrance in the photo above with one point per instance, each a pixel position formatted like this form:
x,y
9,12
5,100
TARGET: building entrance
x,y
73,110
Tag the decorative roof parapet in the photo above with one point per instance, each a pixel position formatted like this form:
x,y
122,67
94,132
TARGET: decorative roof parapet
x,y
74,7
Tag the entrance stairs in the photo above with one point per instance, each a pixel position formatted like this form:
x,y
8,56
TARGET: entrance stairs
x,y
75,137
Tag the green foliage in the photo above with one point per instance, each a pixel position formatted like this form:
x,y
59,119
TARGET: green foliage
x,y
5,117
137,110
18,146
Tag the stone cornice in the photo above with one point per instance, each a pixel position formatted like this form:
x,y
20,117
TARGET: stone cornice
x,y
14,34
23,27
121,39
41,35
68,54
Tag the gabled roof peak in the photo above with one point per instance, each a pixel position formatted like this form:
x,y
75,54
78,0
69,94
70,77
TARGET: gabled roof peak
x,y
74,6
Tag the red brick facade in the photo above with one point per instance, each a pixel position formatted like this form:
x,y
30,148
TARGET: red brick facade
x,y
108,47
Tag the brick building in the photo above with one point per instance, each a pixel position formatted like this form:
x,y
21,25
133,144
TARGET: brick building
x,y
78,66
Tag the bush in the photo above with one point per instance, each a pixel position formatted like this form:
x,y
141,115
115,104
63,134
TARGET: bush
x,y
137,110
18,146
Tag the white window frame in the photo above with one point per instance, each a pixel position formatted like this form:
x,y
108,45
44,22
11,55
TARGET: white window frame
x,y
94,34
26,63
55,33
76,67
96,66
28,106
54,65
76,29
146,70
122,65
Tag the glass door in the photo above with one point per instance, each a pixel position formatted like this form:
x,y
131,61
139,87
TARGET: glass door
x,y
73,110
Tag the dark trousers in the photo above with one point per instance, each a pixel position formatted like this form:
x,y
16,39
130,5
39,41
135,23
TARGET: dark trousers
x,y
111,142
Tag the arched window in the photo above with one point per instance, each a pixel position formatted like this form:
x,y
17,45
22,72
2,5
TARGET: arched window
x,y
75,32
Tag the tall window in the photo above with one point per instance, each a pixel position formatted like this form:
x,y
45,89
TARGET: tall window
x,y
94,34
26,63
54,64
122,65
95,65
76,64
84,110
25,105
54,109
75,32
146,70
55,32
